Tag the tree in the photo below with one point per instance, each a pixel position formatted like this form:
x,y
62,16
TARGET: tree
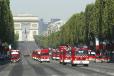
x,y
96,21
6,22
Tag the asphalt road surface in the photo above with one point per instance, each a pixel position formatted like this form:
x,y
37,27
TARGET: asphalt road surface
x,y
29,67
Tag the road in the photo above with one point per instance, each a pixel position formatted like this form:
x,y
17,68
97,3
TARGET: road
x,y
29,67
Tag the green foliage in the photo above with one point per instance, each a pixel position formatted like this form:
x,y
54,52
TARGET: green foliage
x,y
6,23
41,41
96,21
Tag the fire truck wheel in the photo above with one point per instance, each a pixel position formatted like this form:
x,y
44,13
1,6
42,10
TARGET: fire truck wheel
x,y
48,61
64,63
86,65
60,62
40,61
102,61
74,64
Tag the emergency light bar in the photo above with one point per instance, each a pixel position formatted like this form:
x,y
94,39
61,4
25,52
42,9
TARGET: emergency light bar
x,y
14,53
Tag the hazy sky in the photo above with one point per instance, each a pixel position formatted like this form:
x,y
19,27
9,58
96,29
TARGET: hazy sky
x,y
47,9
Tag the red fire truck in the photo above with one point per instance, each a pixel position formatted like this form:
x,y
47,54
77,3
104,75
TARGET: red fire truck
x,y
79,56
102,58
35,54
53,56
65,55
15,55
92,55
57,56
44,55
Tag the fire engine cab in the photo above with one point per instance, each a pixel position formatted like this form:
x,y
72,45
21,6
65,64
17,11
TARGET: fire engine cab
x,y
53,56
65,55
57,54
35,54
92,55
79,57
44,55
15,55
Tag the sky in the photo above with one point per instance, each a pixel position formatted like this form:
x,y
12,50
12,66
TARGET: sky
x,y
47,9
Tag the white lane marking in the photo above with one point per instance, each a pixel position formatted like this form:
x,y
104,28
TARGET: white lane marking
x,y
54,75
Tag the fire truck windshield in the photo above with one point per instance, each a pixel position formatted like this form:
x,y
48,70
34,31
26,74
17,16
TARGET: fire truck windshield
x,y
92,53
68,52
81,52
57,52
45,54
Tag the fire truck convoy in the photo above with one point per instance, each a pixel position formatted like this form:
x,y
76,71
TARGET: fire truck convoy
x,y
15,55
42,55
65,54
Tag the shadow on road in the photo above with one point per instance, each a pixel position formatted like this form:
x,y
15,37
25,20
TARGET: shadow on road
x,y
3,62
17,70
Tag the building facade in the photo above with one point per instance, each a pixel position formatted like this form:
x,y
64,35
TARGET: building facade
x,y
55,26
26,26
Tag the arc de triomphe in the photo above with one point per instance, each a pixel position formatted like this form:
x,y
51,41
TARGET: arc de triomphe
x,y
26,26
